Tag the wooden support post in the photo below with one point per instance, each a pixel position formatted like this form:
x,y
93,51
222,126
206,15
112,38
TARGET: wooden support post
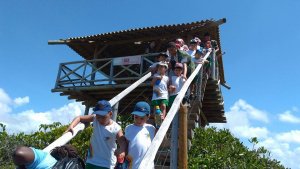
x,y
213,66
174,143
183,155
111,73
87,108
115,111
58,75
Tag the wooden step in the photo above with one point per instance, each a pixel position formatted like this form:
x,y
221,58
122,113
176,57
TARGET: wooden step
x,y
219,105
162,157
210,81
212,95
216,101
166,143
213,112
211,86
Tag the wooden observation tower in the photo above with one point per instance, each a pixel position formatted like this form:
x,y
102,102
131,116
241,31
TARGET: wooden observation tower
x,y
113,61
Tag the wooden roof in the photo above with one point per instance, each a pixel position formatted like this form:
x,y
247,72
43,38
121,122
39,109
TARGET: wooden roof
x,y
134,41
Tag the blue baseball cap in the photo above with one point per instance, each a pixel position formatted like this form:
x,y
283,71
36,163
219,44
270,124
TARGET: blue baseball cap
x,y
141,109
102,108
199,51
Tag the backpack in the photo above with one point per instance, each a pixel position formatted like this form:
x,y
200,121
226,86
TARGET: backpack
x,y
69,163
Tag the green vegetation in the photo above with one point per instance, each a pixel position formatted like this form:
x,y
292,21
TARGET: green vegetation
x,y
39,139
211,148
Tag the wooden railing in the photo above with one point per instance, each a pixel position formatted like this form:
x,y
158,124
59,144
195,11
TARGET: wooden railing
x,y
102,71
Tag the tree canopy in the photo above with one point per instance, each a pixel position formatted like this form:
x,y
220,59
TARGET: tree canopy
x,y
211,148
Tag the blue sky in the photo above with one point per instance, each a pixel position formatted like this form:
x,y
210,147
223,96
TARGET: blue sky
x,y
260,39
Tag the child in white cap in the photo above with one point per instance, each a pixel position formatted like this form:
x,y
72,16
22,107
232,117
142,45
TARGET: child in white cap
x,y
160,83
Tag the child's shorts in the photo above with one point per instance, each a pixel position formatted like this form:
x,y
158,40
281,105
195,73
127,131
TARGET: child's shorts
x,y
159,102
171,99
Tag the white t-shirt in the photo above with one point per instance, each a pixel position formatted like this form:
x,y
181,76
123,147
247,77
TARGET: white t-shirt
x,y
178,83
103,145
162,87
139,139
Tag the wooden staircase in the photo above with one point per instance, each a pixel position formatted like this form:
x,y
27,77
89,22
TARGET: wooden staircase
x,y
204,109
213,103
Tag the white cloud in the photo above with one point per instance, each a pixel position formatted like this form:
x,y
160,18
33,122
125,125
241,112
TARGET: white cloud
x,y
239,120
287,116
242,106
249,132
245,121
21,101
282,151
30,120
4,102
292,136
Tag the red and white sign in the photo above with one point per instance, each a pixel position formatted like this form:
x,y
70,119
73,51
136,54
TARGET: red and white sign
x,y
127,60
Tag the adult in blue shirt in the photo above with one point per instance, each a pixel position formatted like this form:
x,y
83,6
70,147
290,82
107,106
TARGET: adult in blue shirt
x,y
31,158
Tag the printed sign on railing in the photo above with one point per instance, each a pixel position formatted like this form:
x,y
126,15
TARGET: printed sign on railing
x,y
127,60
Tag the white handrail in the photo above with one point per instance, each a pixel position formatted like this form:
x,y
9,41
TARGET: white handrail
x,y
118,97
156,142
65,138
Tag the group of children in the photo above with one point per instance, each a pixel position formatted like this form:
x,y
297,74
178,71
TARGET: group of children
x,y
171,71
169,74
103,152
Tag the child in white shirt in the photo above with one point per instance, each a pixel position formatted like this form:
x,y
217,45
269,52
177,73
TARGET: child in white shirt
x,y
176,83
103,148
160,95
139,135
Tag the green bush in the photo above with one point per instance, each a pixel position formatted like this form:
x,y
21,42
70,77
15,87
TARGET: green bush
x,y
212,148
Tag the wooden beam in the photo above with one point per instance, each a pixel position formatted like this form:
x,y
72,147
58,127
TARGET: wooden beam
x,y
183,147
98,52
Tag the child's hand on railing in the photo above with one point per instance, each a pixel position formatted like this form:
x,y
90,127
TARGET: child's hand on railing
x,y
70,129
